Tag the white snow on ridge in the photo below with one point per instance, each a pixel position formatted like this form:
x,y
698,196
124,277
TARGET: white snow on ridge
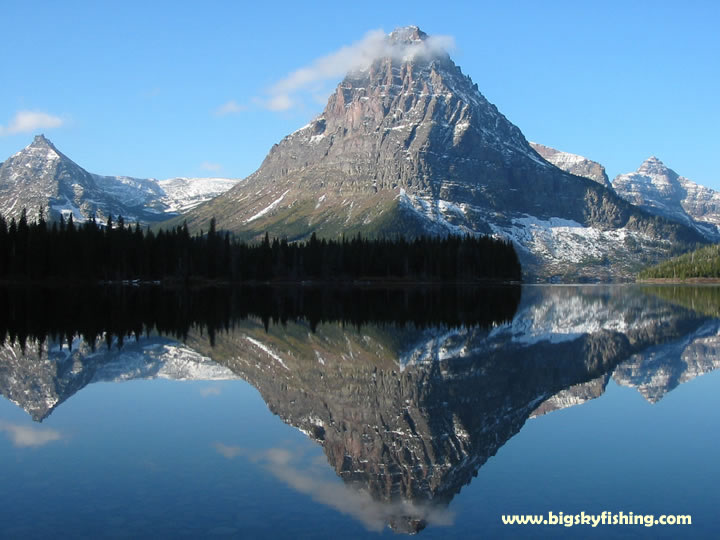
x,y
267,350
436,211
268,208
172,196
131,191
159,359
183,194
561,240
451,344
559,318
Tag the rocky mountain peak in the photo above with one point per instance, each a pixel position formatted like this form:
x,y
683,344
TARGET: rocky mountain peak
x,y
659,190
407,34
42,144
41,140
653,166
573,163
40,176
409,145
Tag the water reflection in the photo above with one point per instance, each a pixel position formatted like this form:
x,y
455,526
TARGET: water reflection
x,y
115,313
408,412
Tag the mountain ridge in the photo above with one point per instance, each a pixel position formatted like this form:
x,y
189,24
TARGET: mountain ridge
x,y
40,176
660,190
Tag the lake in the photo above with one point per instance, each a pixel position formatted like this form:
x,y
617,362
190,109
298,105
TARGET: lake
x,y
359,413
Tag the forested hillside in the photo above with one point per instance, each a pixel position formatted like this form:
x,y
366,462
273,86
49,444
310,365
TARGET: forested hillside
x,y
701,263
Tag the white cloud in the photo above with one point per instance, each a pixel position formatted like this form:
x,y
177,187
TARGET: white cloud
x,y
30,121
281,102
212,167
350,500
229,452
27,436
357,56
231,107
210,391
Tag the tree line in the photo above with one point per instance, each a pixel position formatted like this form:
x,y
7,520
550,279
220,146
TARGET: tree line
x,y
38,314
701,263
114,251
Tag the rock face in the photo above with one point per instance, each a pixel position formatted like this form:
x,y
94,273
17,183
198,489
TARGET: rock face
x,y
409,145
40,176
661,191
574,164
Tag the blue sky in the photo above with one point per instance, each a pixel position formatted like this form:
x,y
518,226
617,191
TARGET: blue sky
x,y
161,89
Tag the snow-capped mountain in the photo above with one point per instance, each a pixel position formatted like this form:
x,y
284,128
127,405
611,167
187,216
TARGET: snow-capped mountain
x,y
41,378
660,190
660,369
40,176
573,163
409,145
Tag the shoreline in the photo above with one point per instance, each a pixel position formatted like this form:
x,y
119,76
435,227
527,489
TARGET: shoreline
x,y
676,281
204,283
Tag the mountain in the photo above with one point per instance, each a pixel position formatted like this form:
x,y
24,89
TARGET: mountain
x,y
409,145
574,164
660,190
40,176
660,369
41,378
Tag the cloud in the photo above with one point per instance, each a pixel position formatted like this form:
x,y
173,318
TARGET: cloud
x,y
30,121
357,56
350,500
229,452
212,167
27,436
231,107
281,102
210,391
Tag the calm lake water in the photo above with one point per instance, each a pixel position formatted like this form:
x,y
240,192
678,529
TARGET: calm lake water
x,y
301,413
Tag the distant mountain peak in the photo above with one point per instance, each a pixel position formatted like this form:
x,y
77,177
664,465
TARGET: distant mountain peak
x,y
42,141
40,176
653,165
573,163
407,34
660,190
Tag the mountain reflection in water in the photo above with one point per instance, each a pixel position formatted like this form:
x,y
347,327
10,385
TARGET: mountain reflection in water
x,y
409,391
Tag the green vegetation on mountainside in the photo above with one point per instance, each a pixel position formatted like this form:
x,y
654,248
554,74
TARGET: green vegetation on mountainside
x,y
701,263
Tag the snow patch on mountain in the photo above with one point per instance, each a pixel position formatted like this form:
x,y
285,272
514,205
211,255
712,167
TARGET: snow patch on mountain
x,y
268,208
562,240
559,318
182,194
